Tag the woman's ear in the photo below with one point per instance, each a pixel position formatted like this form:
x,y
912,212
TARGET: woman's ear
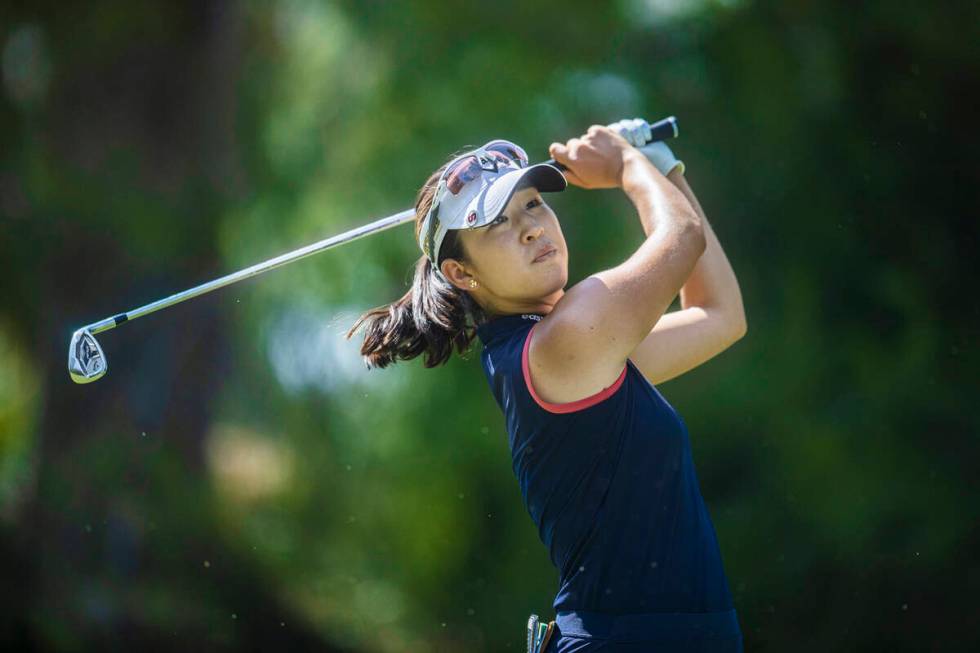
x,y
456,274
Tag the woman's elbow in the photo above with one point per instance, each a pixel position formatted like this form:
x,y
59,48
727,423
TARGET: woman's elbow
x,y
697,237
692,239
740,326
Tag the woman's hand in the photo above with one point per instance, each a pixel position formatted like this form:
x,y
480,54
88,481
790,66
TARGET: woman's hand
x,y
594,160
637,133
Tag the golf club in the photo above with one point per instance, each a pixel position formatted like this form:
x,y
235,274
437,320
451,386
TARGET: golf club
x,y
87,362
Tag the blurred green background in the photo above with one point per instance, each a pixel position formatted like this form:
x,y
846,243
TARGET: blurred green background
x,y
239,481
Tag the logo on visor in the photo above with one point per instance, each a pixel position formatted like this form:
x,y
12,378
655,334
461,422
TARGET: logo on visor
x,y
471,218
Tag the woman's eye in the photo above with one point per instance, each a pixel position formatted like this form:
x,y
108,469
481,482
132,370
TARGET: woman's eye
x,y
533,203
500,219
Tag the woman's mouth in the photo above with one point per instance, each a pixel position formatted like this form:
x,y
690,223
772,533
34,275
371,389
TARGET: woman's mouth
x,y
551,252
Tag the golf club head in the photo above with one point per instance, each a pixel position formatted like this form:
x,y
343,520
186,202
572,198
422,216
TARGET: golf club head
x,y
86,362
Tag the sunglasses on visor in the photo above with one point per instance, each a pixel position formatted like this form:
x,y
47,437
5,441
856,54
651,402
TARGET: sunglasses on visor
x,y
465,169
469,166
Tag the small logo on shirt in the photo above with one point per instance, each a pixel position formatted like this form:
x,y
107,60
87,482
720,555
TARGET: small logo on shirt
x,y
536,318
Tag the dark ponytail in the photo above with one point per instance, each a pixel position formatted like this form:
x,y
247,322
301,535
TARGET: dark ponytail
x,y
432,318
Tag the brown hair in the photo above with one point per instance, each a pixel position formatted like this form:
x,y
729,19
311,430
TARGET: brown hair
x,y
432,317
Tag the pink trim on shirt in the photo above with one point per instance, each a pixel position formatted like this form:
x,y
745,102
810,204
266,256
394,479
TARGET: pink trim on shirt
x,y
571,406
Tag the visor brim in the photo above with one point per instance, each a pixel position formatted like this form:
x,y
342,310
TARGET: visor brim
x,y
490,203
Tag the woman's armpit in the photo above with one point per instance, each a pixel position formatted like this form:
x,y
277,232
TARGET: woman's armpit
x,y
566,407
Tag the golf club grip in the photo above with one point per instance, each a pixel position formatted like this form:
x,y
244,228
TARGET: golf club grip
x,y
659,131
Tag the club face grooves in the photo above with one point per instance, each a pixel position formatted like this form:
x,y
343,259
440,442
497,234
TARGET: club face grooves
x,y
86,362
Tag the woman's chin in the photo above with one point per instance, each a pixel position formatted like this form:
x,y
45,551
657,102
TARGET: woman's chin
x,y
548,280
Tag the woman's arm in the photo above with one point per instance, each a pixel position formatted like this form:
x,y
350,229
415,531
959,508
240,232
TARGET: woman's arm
x,y
581,347
712,284
712,317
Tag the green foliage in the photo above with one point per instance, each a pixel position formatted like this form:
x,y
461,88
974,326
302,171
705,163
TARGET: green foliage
x,y
286,492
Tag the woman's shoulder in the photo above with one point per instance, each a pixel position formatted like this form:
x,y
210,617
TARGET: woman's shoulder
x,y
509,365
569,356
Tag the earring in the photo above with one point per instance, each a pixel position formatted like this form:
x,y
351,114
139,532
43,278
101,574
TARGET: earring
x,y
472,283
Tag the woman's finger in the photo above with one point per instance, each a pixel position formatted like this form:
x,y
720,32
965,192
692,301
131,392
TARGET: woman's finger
x,y
559,152
574,179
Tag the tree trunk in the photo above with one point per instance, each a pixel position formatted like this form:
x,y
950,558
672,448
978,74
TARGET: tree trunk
x,y
117,546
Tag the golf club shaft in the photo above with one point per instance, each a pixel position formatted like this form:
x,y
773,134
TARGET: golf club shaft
x,y
382,224
661,130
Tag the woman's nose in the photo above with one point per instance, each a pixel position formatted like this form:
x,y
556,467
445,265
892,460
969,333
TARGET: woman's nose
x,y
533,233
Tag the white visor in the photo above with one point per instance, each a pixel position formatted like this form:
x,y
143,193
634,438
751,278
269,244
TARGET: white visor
x,y
482,200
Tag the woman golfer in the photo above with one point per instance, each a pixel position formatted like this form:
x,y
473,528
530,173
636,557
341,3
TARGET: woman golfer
x,y
603,460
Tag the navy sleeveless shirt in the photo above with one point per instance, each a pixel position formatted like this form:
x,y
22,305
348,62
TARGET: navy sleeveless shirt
x,y
610,483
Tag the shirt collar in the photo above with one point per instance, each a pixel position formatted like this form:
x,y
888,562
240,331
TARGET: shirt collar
x,y
505,324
